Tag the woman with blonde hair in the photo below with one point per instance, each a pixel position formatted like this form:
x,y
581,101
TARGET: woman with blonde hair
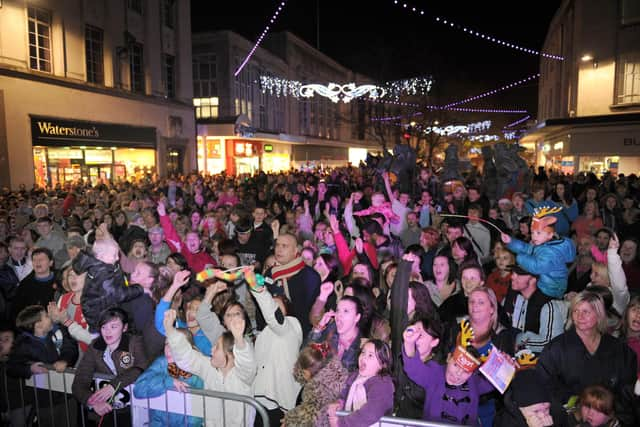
x,y
585,354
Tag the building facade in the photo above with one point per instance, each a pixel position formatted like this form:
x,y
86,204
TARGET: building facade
x,y
95,90
242,129
589,104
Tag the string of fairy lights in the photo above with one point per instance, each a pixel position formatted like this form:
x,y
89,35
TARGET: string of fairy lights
x,y
392,91
262,36
478,34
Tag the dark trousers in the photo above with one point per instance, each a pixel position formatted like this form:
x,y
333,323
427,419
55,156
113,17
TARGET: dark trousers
x,y
275,417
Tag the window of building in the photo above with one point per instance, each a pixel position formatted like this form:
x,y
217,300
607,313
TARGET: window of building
x,y
204,76
135,5
206,107
630,12
94,54
628,79
170,76
39,39
169,13
136,67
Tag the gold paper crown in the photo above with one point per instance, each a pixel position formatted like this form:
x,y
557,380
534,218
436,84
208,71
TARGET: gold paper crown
x,y
545,210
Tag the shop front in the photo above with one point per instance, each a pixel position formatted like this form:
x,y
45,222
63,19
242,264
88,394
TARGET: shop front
x,y
80,151
598,144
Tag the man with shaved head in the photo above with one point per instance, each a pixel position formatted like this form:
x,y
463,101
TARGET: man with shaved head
x,y
292,278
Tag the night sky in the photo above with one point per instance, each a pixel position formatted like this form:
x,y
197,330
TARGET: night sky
x,y
387,42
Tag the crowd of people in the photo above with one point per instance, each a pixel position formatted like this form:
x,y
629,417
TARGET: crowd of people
x,y
327,291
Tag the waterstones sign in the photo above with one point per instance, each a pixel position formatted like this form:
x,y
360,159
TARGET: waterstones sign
x,y
50,131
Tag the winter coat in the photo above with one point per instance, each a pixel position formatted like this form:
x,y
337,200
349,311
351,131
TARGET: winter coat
x,y
548,261
239,380
568,367
104,287
324,388
129,359
443,403
35,291
28,349
379,391
277,348
154,382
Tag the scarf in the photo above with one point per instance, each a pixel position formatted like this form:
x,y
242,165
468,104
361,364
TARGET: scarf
x,y
176,372
357,396
285,271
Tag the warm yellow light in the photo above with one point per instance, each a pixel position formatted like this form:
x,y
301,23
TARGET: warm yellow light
x,y
587,57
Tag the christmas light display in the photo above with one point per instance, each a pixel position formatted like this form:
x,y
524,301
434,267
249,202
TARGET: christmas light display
x,y
413,86
262,36
280,87
494,91
345,93
485,110
517,122
478,34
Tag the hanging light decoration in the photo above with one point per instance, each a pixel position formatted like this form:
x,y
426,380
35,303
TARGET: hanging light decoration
x,y
478,34
262,36
494,91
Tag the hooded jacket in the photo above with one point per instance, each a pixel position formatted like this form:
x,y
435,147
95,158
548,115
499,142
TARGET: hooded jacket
x,y
105,286
548,261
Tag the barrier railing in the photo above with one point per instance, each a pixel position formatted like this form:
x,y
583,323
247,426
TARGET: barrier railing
x,y
404,422
47,397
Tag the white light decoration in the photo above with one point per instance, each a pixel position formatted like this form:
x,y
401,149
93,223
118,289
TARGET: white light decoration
x,y
280,87
483,138
413,86
517,122
459,129
344,93
492,92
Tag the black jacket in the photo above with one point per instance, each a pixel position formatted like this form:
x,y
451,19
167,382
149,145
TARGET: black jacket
x,y
568,367
29,349
104,287
34,292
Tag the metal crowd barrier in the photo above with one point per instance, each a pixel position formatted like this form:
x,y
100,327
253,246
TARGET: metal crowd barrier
x,y
403,422
60,408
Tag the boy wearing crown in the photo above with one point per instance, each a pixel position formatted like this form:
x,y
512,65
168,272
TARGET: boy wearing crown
x,y
547,255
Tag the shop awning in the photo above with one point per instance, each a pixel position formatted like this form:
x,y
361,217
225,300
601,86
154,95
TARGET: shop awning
x,y
554,126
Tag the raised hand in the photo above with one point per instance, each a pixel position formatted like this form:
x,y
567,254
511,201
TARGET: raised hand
x,y
614,242
359,245
169,320
326,289
162,210
411,335
236,327
180,279
334,224
506,239
326,318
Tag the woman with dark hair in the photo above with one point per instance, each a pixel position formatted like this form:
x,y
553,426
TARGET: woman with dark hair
x,y
119,226
115,352
629,255
462,251
444,284
328,267
341,330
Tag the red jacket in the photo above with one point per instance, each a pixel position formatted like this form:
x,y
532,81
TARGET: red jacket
x,y
346,255
197,261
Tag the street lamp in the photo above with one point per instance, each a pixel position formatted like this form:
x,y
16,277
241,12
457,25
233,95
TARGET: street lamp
x,y
588,57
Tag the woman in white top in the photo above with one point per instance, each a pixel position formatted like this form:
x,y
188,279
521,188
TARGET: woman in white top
x,y
231,369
